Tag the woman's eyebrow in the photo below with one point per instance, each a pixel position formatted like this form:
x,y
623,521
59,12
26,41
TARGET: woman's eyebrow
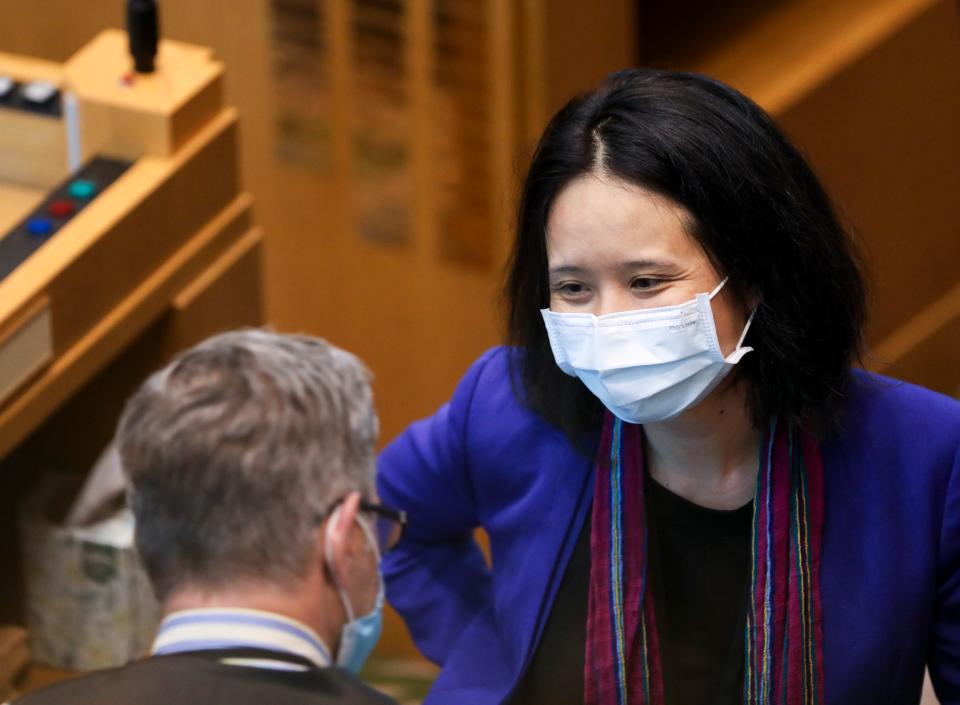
x,y
567,269
658,264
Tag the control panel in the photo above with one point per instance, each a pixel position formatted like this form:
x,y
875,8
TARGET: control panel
x,y
61,204
39,97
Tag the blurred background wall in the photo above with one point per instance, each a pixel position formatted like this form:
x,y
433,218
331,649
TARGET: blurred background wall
x,y
384,141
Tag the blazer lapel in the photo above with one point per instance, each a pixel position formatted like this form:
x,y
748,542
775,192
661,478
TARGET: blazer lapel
x,y
565,503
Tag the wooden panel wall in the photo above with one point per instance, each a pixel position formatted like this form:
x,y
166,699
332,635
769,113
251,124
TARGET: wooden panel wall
x,y
870,92
885,134
390,228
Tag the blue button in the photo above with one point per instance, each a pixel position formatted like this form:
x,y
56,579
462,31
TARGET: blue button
x,y
39,226
82,189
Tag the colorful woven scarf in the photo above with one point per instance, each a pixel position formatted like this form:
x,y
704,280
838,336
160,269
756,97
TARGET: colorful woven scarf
x,y
783,658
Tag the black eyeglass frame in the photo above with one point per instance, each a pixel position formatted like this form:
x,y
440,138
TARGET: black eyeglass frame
x,y
397,516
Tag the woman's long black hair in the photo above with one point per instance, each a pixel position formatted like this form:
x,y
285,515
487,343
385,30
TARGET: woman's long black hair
x,y
759,212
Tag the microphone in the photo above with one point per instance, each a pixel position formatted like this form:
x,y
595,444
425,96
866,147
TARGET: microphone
x,y
143,28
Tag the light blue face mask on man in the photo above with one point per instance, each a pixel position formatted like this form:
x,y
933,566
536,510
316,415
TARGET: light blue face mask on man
x,y
359,635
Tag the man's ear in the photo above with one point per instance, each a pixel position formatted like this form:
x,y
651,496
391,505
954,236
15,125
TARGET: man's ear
x,y
339,528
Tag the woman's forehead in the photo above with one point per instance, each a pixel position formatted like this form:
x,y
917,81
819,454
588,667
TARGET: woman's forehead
x,y
604,221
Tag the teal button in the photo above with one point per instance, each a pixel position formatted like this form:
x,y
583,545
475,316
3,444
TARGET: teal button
x,y
83,189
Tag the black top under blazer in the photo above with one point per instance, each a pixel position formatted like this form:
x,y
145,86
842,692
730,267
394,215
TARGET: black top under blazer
x,y
202,678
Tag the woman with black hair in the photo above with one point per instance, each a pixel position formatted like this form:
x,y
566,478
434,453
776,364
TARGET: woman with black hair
x,y
691,494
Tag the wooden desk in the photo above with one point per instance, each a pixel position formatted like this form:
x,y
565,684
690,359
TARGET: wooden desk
x,y
163,257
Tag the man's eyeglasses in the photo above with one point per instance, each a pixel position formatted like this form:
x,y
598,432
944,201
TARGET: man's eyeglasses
x,y
388,524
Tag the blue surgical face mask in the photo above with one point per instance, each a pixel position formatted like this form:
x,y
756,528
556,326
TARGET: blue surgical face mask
x,y
359,635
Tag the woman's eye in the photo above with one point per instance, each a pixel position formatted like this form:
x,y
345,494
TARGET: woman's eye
x,y
644,283
571,289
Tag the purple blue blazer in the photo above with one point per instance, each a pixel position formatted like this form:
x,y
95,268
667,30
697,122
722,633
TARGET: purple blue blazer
x,y
890,559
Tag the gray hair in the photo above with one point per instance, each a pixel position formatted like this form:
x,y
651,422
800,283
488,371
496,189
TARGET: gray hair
x,y
236,449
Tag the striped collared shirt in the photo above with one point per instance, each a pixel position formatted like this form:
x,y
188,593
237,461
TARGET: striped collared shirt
x,y
230,628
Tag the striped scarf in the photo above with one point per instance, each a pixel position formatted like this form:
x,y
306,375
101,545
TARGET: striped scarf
x,y
783,659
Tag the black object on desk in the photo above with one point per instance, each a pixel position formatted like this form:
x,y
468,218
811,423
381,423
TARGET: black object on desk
x,y
143,28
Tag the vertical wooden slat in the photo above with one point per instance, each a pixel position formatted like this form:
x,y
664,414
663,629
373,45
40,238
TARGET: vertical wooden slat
x,y
462,80
382,177
342,99
502,125
420,59
535,73
299,70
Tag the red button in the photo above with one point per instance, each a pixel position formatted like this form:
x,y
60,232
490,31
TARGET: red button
x,y
61,209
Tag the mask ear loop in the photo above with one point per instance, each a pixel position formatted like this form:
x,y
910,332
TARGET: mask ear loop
x,y
375,547
328,554
743,336
719,287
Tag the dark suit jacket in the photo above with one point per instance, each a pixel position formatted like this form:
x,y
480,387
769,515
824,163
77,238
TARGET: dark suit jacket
x,y
202,678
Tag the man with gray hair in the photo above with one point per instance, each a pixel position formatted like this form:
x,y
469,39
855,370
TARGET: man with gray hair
x,y
251,467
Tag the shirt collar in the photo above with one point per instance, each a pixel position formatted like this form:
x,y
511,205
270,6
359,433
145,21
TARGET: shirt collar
x,y
231,628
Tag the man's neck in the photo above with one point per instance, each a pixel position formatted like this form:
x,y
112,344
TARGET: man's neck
x,y
709,453
310,605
